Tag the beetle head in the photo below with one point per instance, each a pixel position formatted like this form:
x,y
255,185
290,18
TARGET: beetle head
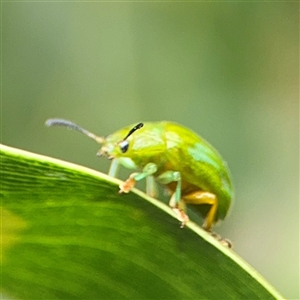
x,y
116,145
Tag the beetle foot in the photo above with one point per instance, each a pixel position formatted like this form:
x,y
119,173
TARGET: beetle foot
x,y
127,185
182,216
225,242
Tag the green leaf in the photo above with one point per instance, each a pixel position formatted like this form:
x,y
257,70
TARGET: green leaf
x,y
68,234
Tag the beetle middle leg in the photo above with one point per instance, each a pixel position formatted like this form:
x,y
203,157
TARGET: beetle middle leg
x,y
202,197
127,185
175,203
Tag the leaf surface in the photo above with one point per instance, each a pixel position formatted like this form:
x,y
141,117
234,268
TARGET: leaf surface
x,y
68,234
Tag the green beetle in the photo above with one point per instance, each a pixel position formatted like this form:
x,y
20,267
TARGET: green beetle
x,y
189,167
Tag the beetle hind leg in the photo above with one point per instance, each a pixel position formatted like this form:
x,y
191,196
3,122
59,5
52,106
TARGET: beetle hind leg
x,y
201,197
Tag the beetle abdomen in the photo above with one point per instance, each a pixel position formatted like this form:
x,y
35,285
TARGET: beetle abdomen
x,y
200,165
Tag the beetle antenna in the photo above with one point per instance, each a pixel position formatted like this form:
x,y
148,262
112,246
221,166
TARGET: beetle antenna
x,y
71,125
136,127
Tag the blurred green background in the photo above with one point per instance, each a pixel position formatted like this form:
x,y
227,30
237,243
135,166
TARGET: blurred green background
x,y
229,71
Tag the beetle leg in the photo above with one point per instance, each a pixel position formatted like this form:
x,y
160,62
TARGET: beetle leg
x,y
201,197
175,202
151,188
148,170
113,169
179,209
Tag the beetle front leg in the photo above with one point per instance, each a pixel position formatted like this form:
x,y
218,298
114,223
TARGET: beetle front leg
x,y
148,170
151,187
113,169
175,202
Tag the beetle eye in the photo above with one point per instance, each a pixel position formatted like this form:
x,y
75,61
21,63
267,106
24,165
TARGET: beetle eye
x,y
124,146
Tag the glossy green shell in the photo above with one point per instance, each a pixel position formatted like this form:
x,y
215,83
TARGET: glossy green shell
x,y
174,147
